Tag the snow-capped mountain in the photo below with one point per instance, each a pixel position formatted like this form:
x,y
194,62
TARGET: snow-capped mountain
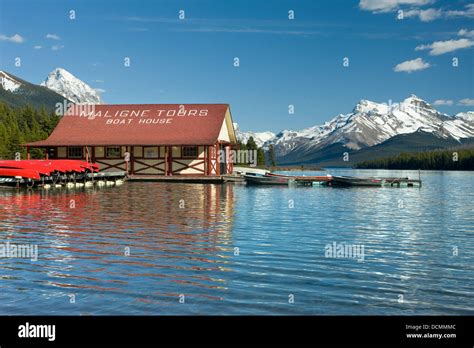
x,y
16,92
466,116
8,82
66,84
259,137
372,123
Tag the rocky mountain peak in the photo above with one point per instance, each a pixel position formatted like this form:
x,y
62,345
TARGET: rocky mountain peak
x,y
66,84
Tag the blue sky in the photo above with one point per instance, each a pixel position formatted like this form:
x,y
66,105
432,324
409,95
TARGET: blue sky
x,y
282,62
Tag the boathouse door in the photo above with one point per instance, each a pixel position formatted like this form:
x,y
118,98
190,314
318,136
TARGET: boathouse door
x,y
223,158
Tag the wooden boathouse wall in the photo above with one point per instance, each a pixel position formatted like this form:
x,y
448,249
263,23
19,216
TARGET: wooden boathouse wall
x,y
169,161
190,158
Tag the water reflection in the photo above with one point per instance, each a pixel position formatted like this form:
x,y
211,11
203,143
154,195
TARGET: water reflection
x,y
111,239
141,247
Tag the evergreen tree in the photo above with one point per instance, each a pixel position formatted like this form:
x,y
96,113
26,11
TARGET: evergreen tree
x,y
241,145
251,144
23,124
260,157
271,151
456,158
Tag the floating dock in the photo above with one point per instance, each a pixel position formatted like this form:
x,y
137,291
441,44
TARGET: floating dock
x,y
75,173
67,180
219,179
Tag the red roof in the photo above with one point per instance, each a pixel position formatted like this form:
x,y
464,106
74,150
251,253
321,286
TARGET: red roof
x,y
144,124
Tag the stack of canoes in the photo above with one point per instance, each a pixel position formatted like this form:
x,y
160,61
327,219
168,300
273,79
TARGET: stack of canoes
x,y
30,172
35,169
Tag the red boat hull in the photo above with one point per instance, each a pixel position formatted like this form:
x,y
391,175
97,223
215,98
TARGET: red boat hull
x,y
24,173
32,169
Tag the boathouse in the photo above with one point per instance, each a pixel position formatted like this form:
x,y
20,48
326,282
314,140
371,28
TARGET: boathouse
x,y
152,139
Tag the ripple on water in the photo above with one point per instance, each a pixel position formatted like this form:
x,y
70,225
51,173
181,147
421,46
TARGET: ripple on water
x,y
233,249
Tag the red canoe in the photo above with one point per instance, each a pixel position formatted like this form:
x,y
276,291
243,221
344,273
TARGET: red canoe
x,y
33,168
24,173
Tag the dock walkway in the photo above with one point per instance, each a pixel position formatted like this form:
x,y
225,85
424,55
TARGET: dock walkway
x,y
220,179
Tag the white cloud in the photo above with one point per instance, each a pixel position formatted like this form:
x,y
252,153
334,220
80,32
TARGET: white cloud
x,y
389,5
17,38
411,65
53,37
443,102
467,12
427,15
37,47
57,47
442,47
99,90
465,32
466,102
411,8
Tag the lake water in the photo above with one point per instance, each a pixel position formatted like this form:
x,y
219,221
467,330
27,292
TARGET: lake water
x,y
168,248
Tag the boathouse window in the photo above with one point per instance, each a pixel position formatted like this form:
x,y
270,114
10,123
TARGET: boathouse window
x,y
176,151
113,151
151,152
99,152
74,152
62,152
138,151
190,151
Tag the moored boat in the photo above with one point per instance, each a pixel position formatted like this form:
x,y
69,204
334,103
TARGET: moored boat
x,y
354,181
277,175
266,180
20,173
329,180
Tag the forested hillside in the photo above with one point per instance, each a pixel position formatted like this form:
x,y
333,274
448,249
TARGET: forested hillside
x,y
23,124
457,158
